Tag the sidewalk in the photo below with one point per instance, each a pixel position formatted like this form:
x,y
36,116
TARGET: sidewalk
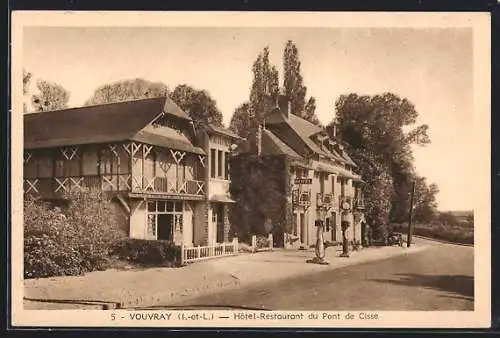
x,y
155,286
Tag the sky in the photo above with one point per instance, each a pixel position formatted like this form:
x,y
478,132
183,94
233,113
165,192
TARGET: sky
x,y
430,67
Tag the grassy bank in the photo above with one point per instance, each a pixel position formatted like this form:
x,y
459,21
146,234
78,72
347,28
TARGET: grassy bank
x,y
462,232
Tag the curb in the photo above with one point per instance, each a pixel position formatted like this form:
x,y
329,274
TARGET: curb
x,y
443,241
174,296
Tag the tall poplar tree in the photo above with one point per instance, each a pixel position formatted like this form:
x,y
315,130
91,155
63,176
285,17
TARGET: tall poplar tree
x,y
293,85
263,96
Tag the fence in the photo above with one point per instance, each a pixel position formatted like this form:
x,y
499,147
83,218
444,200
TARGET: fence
x,y
259,247
200,253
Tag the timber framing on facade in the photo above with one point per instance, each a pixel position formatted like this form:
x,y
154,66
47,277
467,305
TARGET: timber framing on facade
x,y
146,155
322,179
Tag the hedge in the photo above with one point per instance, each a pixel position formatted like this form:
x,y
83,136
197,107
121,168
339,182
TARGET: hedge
x,y
450,233
156,252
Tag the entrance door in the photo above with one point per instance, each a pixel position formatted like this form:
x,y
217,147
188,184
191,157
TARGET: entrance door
x,y
219,212
333,226
166,227
302,228
363,233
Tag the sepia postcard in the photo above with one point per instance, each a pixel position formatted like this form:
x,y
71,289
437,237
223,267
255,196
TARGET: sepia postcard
x,y
250,169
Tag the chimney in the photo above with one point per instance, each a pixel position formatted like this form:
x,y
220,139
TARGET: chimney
x,y
285,106
334,128
256,141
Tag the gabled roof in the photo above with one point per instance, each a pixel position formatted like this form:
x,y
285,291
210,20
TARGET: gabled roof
x,y
272,145
166,137
95,124
221,131
302,128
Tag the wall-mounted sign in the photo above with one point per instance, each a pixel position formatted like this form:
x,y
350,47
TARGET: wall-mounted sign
x,y
303,181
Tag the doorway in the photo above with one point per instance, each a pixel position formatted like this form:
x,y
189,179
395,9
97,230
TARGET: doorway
x,y
166,227
302,222
218,211
333,226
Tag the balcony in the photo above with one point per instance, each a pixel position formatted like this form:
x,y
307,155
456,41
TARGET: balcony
x,y
359,203
301,198
58,186
325,200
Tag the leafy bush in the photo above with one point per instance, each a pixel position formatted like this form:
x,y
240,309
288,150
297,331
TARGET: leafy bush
x,y
455,233
148,251
71,239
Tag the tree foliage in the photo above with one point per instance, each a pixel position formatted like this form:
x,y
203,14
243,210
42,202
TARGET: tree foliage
x,y
293,85
68,240
265,90
50,96
241,123
27,76
265,87
266,203
373,127
264,93
198,105
131,89
425,205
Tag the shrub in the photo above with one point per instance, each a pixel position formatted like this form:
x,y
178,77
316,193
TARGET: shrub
x,y
443,231
68,240
145,251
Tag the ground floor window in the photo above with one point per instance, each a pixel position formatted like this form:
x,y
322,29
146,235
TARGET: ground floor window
x,y
164,219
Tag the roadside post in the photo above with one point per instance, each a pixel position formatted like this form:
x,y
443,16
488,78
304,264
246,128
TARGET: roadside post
x,y
410,217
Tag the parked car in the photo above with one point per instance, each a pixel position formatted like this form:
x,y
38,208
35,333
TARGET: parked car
x,y
391,238
395,238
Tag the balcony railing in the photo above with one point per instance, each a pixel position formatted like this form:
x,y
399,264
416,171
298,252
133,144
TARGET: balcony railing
x,y
359,203
301,198
325,200
57,186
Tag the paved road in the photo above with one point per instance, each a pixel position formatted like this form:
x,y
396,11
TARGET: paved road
x,y
438,278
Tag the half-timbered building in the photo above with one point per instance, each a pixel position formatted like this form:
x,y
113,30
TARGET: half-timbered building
x,y
146,154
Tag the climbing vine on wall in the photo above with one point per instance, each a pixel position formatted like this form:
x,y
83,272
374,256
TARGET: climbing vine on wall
x,y
261,187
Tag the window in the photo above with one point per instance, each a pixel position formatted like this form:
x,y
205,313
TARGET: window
x,y
109,162
226,166
181,171
213,155
219,163
333,184
164,219
321,183
301,173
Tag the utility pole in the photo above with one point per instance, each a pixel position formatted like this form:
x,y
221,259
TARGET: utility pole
x,y
410,218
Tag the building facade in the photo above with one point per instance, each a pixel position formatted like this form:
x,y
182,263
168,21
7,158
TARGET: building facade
x,y
146,155
323,184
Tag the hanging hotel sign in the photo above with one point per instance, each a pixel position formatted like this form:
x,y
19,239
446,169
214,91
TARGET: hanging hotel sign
x,y
303,181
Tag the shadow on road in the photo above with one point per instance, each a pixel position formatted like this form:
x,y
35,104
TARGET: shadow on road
x,y
460,285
